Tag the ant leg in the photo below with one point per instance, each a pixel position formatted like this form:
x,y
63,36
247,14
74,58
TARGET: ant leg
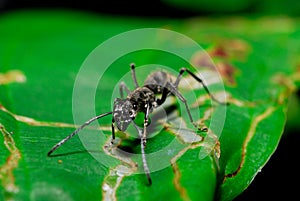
x,y
144,136
123,88
163,97
112,131
145,165
174,91
132,66
144,160
200,81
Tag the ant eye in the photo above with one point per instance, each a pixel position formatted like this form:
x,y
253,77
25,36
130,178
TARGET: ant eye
x,y
134,106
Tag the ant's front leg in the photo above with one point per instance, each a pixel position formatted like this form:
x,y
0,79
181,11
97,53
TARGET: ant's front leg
x,y
144,159
146,121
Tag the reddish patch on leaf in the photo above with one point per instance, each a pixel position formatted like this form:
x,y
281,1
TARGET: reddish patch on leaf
x,y
218,52
219,58
202,60
235,49
227,71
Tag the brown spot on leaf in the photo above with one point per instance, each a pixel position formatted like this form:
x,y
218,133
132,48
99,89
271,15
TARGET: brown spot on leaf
x,y
12,76
228,72
235,49
218,51
227,51
221,56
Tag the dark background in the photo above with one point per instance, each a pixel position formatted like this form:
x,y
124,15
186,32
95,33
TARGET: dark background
x,y
277,178
152,8
164,8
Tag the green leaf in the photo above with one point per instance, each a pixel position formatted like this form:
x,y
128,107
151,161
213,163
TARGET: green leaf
x,y
40,61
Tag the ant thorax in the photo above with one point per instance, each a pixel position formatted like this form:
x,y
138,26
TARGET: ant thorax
x,y
142,98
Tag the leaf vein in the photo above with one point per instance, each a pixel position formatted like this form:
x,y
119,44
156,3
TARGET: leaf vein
x,y
6,170
248,138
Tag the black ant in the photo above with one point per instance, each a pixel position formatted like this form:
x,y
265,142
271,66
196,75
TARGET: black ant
x,y
157,87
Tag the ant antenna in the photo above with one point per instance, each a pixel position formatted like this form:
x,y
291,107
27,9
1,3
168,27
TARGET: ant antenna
x,y
76,131
132,66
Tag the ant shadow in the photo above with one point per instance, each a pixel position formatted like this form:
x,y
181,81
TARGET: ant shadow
x,y
75,152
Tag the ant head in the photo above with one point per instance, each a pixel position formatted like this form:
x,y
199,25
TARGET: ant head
x,y
124,112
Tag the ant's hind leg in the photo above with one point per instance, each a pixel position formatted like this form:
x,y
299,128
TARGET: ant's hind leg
x,y
174,91
199,80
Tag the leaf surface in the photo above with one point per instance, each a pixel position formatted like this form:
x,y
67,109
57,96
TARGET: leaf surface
x,y
39,64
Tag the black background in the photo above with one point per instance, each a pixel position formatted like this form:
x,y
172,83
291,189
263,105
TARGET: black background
x,y
154,8
277,178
